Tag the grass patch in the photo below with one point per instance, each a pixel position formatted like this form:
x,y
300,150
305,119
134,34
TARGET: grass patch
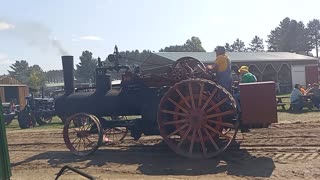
x,y
55,124
284,100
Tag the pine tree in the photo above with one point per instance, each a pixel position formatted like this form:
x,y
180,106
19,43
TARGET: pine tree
x,y
238,46
256,44
314,34
86,68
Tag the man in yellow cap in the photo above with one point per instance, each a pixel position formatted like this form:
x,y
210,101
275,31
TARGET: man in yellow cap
x,y
246,76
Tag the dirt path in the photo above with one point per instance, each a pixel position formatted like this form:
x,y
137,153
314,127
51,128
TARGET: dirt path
x,y
282,151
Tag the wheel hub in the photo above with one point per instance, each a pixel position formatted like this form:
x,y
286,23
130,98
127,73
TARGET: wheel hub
x,y
82,134
197,118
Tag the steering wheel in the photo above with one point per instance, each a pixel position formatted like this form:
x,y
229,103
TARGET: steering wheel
x,y
187,67
189,63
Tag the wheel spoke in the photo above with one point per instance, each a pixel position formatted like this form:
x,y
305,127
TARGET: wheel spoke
x,y
209,99
222,123
84,144
89,125
204,149
192,141
183,98
90,142
74,140
200,95
73,130
220,114
108,130
211,139
76,145
217,132
177,130
79,145
174,113
184,136
175,122
113,136
218,104
79,127
178,105
191,96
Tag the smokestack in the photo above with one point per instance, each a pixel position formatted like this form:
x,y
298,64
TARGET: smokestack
x,y
67,64
103,81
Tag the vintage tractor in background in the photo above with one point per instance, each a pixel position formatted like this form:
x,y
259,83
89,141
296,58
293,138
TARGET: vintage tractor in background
x,y
37,110
10,111
195,116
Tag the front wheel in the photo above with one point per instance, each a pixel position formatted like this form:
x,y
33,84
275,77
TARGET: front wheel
x,y
43,118
8,120
82,134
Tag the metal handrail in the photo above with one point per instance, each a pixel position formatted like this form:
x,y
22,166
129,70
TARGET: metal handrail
x,y
74,170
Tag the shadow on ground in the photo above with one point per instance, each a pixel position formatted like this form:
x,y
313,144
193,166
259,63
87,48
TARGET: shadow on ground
x,y
159,160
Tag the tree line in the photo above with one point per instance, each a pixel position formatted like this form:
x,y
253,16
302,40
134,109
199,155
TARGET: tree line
x,y
289,36
33,75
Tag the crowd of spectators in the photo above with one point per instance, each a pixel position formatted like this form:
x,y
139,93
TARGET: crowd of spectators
x,y
312,92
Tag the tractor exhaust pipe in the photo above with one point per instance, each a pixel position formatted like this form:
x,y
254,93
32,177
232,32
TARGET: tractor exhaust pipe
x,y
67,65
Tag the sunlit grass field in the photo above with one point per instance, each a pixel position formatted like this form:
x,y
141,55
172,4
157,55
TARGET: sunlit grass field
x,y
56,123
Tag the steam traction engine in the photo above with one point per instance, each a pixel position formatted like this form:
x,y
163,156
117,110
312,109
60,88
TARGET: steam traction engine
x,y
195,116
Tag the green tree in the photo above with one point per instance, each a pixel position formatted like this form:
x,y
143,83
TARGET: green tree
x,y
129,58
238,46
36,77
134,57
228,47
256,44
289,36
192,45
313,28
20,70
175,48
86,68
303,41
277,37
54,76
33,76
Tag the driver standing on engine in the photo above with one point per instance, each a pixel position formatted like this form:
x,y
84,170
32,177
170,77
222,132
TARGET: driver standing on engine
x,y
222,67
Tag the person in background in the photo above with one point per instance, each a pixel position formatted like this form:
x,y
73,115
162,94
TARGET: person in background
x,y
222,67
315,95
303,91
295,98
277,85
308,87
246,76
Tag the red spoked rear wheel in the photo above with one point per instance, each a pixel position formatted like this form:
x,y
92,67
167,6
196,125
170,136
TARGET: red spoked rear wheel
x,y
197,118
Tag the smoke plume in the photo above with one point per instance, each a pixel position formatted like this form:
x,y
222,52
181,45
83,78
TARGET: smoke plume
x,y
57,44
35,34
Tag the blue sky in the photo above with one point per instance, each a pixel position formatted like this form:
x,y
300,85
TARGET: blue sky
x,y
28,28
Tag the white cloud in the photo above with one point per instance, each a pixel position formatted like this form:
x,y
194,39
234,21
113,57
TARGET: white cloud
x,y
75,40
5,26
91,38
4,59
